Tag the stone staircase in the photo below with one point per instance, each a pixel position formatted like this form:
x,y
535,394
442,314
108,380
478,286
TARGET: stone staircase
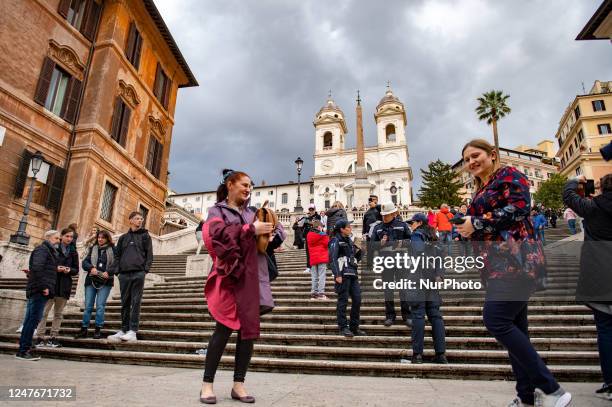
x,y
301,335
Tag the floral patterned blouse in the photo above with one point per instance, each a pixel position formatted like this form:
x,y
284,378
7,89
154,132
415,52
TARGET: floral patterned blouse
x,y
503,232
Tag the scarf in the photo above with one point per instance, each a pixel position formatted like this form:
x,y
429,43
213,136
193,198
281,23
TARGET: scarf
x,y
95,253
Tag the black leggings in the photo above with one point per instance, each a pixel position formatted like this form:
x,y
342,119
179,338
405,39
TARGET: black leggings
x,y
216,346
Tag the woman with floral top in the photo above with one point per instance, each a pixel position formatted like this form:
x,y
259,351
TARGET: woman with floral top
x,y
498,224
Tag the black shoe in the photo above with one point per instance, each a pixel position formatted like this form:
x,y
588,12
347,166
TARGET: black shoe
x,y
440,358
82,333
358,332
54,343
388,322
346,332
40,343
417,359
27,356
97,334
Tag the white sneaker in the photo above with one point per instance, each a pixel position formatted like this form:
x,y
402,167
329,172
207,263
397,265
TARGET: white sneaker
x,y
518,403
116,336
560,398
18,331
129,337
307,270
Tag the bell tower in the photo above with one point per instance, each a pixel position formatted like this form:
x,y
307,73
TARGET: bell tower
x,y
330,128
390,119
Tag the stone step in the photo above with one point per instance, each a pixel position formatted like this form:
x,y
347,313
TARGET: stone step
x,y
335,367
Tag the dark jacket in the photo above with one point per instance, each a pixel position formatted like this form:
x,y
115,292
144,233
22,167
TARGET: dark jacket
x,y
199,227
333,216
63,284
102,265
43,269
595,280
422,242
372,215
308,223
342,249
394,230
134,252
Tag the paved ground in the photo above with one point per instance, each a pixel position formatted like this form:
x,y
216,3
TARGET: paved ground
x,y
101,384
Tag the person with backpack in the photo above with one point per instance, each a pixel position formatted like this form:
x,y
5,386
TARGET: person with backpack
x,y
133,259
98,283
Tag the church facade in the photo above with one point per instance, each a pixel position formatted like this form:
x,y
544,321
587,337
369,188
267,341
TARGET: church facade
x,y
388,172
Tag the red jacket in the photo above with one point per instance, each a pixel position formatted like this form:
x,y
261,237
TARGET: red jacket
x,y
442,222
317,248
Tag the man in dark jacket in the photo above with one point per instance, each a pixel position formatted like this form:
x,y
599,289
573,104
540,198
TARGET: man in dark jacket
x,y
387,237
307,222
370,218
344,257
134,256
40,287
595,281
68,260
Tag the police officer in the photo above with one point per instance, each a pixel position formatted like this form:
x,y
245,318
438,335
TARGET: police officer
x,y
387,237
426,302
344,256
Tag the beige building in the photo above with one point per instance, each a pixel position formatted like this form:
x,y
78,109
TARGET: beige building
x,y
584,128
599,26
537,163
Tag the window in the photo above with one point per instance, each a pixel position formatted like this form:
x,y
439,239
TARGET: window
x,y
134,46
531,183
576,142
577,112
108,202
257,193
209,197
578,171
538,173
580,135
562,162
604,128
571,151
154,157
144,211
598,105
121,121
390,132
57,91
560,140
311,200
327,204
284,198
184,200
48,185
271,204
312,188
161,88
198,199
82,15
270,192
327,140
394,199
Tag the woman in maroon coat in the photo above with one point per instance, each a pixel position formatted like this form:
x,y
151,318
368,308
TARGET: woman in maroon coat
x,y
237,287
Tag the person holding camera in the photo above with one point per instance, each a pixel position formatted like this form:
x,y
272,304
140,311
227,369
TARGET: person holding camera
x,y
68,266
595,281
344,257
43,268
388,236
98,283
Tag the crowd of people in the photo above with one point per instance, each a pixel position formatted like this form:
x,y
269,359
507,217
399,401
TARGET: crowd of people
x,y
242,239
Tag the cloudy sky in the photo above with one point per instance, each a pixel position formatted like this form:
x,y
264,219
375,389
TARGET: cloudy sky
x,y
265,68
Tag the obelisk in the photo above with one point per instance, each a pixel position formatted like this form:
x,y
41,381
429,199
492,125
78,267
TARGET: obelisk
x,y
361,187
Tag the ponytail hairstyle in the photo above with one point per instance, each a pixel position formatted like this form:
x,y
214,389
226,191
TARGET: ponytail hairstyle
x,y
229,176
484,145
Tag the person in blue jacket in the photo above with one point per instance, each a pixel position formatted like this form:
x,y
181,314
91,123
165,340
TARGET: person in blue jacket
x,y
539,223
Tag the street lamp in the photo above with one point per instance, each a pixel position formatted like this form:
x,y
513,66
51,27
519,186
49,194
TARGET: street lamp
x,y
400,195
21,237
298,203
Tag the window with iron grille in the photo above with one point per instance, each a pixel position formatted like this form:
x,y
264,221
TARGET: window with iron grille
x,y
108,202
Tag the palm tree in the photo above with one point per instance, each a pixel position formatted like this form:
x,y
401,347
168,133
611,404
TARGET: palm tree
x,y
492,107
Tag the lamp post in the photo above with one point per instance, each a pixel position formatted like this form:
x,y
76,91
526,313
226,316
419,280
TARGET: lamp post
x,y
21,237
400,195
298,203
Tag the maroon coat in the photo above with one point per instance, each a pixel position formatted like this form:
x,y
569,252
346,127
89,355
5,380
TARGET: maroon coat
x,y
238,282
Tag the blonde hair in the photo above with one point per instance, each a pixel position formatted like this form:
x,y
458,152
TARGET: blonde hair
x,y
484,145
338,205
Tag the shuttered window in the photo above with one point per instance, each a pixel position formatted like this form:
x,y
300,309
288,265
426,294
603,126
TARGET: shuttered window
x,y
134,46
144,211
161,88
48,185
82,15
154,157
108,202
121,121
57,91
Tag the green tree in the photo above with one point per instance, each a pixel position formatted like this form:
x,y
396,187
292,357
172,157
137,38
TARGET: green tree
x,y
440,185
492,107
550,193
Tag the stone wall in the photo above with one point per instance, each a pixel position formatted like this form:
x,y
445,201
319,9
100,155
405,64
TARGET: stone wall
x,y
12,309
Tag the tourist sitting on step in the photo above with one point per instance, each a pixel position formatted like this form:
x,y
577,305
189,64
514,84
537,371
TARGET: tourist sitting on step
x,y
388,236
595,281
133,259
43,267
426,301
98,283
237,289
344,257
498,222
68,262
318,242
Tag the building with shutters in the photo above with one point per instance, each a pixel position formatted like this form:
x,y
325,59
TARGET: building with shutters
x,y
92,85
